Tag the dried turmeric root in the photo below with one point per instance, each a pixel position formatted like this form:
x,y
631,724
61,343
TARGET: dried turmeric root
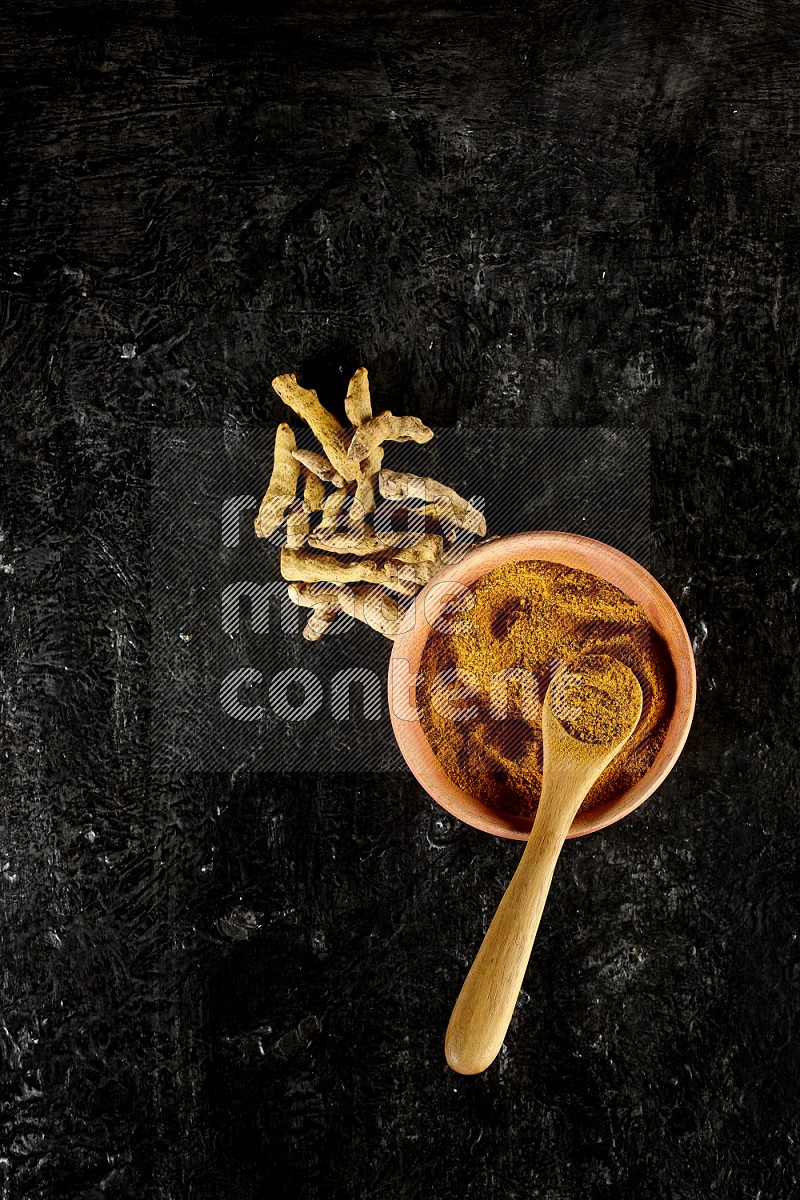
x,y
308,566
386,428
397,485
319,465
324,600
326,429
282,485
374,607
407,547
336,559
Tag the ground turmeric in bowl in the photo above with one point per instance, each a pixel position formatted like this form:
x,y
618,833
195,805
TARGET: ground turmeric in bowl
x,y
488,662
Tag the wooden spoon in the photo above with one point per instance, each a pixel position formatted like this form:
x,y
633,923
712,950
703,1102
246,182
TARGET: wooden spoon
x,y
487,1000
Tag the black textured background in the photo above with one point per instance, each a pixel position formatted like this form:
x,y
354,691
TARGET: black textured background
x,y
547,214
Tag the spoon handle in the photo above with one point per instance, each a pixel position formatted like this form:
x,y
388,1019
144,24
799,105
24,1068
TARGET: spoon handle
x,y
486,1003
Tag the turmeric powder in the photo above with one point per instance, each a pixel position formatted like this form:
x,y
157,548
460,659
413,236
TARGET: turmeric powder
x,y
596,699
487,664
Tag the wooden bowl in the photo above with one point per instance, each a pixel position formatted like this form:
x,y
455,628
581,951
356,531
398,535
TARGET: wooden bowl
x,y
571,550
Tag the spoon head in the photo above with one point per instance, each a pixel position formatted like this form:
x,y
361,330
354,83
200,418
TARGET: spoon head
x,y
591,708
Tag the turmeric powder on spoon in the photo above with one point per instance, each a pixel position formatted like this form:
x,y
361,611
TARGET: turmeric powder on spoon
x,y
486,667
592,699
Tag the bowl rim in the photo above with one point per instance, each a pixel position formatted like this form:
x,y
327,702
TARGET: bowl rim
x,y
569,549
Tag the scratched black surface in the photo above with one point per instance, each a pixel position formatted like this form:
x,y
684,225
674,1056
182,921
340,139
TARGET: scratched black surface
x,y
556,214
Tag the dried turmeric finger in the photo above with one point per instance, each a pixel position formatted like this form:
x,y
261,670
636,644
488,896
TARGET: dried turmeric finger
x,y
386,427
440,511
319,465
320,621
358,406
407,547
414,574
313,492
310,595
398,485
365,486
282,485
326,429
323,598
357,402
297,527
309,566
332,510
374,607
